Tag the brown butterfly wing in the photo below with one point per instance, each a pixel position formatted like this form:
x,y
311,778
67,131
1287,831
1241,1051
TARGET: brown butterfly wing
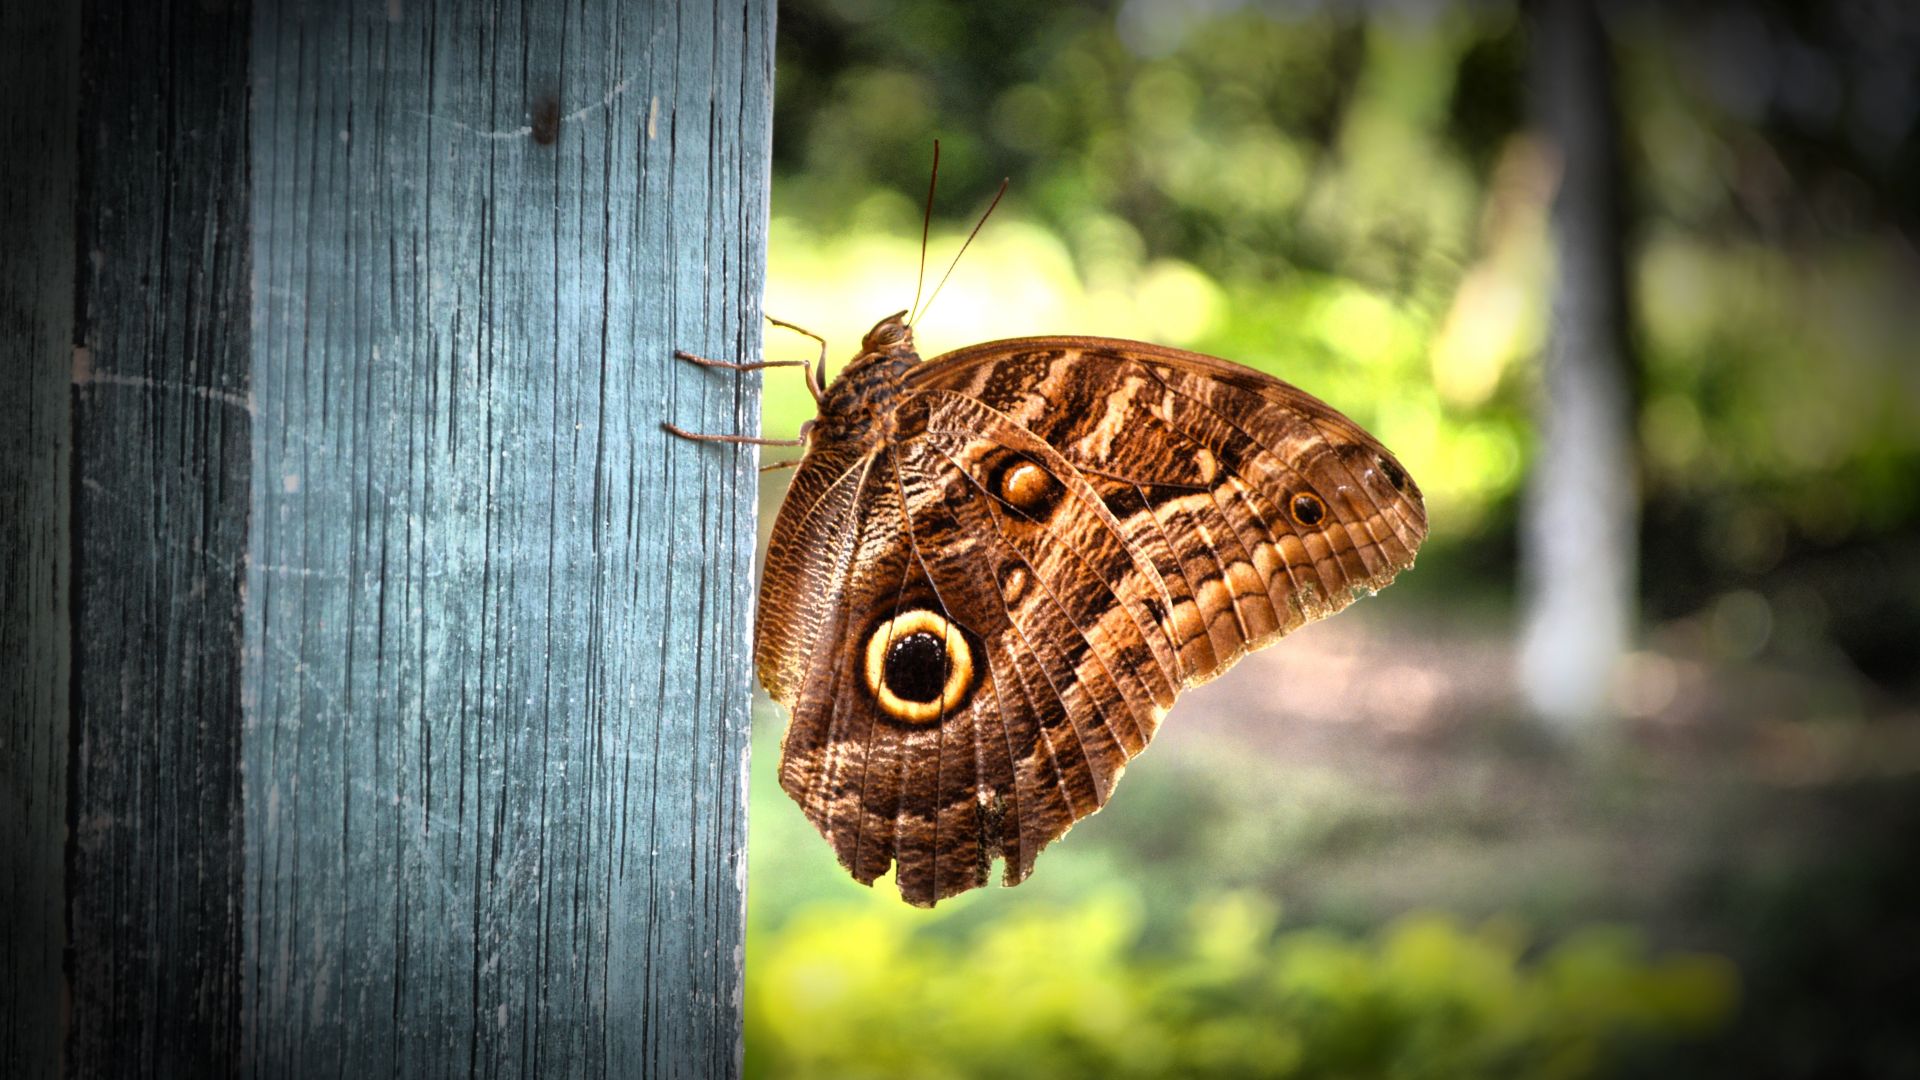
x,y
1105,523
1072,677
861,778
1203,461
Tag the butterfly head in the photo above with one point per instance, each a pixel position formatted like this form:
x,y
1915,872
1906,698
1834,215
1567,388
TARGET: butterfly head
x,y
890,337
859,403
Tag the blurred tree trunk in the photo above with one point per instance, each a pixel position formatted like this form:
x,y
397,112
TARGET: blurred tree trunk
x,y
1580,517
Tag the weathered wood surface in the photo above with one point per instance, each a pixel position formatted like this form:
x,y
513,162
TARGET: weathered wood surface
x,y
39,87
376,669
160,474
496,620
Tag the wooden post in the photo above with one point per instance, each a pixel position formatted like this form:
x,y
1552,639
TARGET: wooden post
x,y
497,625
161,424
38,86
410,657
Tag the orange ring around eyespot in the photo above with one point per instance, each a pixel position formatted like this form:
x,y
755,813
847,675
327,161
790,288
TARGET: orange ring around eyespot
x,y
959,666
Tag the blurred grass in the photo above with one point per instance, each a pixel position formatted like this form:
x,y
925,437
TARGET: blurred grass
x,y
1062,992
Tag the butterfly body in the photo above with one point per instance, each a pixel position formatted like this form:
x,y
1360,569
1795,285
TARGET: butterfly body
x,y
995,570
856,412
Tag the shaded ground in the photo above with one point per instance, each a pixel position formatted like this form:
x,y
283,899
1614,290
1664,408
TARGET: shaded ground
x,y
1761,812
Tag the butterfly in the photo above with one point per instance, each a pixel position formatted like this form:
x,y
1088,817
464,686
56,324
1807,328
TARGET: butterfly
x,y
995,570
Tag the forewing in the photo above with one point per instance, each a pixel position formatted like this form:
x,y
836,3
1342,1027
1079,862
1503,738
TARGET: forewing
x,y
1205,464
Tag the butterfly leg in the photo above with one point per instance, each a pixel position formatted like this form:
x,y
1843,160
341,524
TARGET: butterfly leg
x,y
816,373
750,440
816,376
730,365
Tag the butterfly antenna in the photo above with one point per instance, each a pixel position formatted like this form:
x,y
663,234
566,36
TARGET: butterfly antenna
x,y
963,247
926,224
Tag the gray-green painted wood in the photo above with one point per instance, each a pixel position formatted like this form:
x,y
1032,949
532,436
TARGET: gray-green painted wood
x,y
39,86
496,621
161,427
375,669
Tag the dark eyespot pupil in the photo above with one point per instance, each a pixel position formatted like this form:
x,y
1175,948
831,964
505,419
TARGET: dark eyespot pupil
x,y
917,667
1307,510
1394,474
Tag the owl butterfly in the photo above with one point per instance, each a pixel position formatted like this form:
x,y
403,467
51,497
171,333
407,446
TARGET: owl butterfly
x,y
995,571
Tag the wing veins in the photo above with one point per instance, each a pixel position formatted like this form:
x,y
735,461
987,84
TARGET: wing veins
x,y
993,514
1059,775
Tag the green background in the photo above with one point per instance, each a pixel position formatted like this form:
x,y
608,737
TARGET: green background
x,y
1356,856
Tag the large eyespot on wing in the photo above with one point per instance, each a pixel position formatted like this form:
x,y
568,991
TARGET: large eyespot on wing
x,y
858,743
887,750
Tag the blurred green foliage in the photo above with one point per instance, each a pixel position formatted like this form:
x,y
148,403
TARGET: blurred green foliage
x,y
1148,944
1350,196
1245,194
1066,992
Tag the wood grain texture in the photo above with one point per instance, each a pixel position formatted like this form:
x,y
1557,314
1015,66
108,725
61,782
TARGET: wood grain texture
x,y
161,430
496,621
39,85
